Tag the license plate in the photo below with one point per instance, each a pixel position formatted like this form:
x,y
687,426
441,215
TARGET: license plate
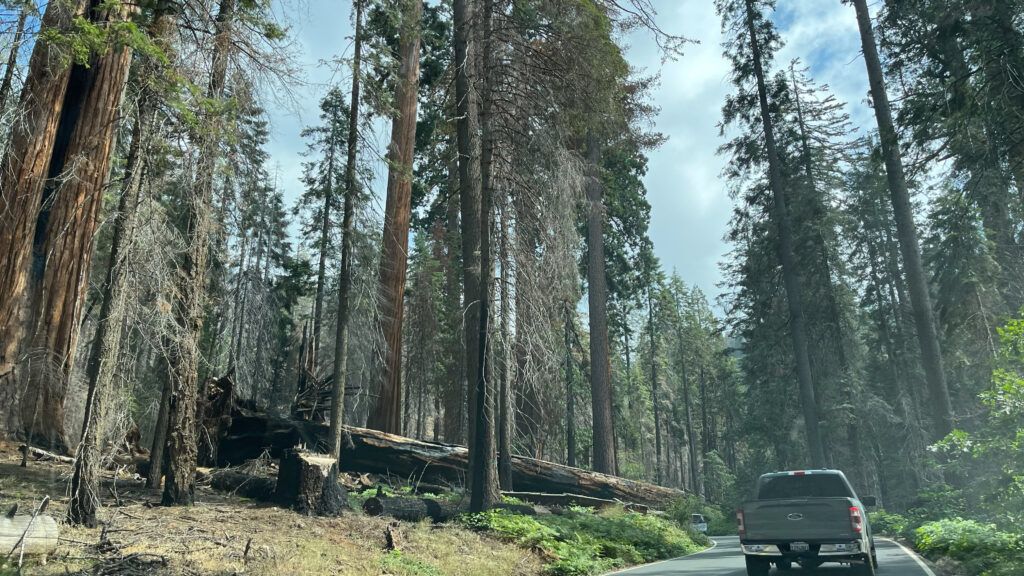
x,y
799,547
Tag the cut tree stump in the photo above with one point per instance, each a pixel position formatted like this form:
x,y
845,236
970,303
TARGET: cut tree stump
x,y
41,538
308,482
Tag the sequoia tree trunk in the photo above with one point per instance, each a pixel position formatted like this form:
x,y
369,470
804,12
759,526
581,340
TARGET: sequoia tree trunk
x,y
386,414
924,316
22,178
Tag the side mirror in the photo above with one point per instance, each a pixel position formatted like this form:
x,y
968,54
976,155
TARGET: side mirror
x,y
869,501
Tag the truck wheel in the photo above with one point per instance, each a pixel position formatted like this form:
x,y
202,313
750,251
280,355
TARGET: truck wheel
x,y
758,566
784,564
865,568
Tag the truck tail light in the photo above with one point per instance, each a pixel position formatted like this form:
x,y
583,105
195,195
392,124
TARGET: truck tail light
x,y
856,519
741,524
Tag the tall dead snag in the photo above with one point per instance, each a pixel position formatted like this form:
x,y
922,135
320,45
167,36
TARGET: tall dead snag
x,y
920,300
179,488
22,176
347,233
107,340
387,412
597,299
790,272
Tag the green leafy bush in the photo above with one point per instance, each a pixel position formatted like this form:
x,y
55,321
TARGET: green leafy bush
x,y
981,549
580,543
888,524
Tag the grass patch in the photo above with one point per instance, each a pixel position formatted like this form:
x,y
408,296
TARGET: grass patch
x,y
580,543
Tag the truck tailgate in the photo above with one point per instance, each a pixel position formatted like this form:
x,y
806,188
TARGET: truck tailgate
x,y
811,519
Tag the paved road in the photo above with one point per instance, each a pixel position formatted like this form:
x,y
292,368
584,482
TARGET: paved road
x,y
725,559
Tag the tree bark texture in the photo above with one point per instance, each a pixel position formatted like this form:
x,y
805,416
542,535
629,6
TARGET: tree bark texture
x,y
924,316
790,272
347,233
22,178
597,297
182,451
387,412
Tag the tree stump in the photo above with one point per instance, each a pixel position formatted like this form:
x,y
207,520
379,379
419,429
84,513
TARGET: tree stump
x,y
308,483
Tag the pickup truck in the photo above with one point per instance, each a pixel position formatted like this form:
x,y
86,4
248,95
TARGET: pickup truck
x,y
807,517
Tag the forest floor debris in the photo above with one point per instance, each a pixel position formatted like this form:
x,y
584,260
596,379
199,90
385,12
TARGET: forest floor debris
x,y
225,534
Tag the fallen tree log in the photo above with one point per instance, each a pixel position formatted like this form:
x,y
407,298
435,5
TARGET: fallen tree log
x,y
564,500
40,539
40,454
244,485
419,461
411,509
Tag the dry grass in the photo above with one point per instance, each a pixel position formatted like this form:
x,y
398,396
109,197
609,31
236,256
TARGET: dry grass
x,y
227,535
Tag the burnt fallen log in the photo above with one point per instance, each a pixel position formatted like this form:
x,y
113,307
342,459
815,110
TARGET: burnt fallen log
x,y
417,461
244,485
411,509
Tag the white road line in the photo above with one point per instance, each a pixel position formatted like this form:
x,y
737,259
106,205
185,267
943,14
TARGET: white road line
x,y
913,556
714,544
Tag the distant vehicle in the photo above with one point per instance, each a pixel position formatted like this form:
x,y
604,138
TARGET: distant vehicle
x,y
699,523
807,517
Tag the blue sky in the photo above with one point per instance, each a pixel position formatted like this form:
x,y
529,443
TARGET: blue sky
x,y
689,205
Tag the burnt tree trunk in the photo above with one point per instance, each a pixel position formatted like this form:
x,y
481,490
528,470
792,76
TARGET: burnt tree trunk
x,y
387,411
22,178
179,487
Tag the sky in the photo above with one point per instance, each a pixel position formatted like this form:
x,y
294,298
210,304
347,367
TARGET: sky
x,y
690,207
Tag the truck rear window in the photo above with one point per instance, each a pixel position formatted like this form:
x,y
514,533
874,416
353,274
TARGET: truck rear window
x,y
806,486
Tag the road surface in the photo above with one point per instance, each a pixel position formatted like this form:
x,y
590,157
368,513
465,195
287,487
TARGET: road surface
x,y
725,559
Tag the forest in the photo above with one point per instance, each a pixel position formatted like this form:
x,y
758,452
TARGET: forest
x,y
471,264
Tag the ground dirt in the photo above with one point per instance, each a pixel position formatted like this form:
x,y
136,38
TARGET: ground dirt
x,y
224,534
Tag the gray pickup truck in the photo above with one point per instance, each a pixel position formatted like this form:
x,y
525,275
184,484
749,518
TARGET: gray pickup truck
x,y
808,517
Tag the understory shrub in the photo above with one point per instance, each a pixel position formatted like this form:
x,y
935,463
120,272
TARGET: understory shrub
x,y
981,549
580,543
887,524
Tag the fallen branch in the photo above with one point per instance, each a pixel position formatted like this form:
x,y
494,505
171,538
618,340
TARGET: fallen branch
x,y
40,454
564,500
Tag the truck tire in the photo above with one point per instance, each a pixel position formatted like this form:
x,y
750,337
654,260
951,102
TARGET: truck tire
x,y
865,568
758,566
784,564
